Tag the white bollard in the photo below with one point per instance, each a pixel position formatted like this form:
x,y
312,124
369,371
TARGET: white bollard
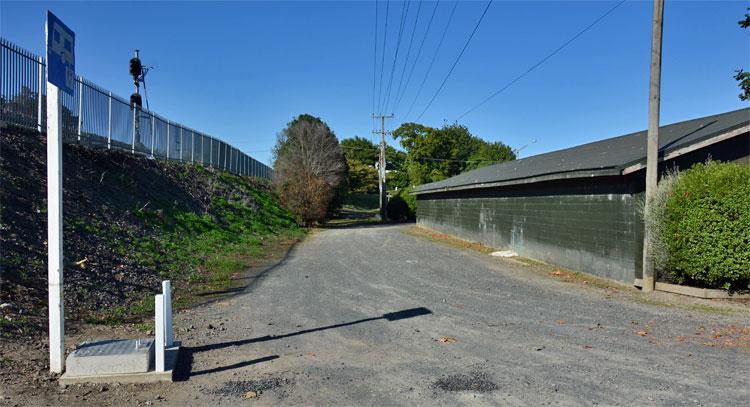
x,y
159,332
166,288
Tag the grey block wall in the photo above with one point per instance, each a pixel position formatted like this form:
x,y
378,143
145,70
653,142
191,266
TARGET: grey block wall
x,y
594,228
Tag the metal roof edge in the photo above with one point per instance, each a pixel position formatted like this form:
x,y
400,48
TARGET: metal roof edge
x,y
669,154
584,173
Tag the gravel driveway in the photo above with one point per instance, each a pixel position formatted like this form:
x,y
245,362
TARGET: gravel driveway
x,y
375,316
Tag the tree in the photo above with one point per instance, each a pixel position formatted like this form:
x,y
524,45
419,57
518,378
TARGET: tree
x,y
360,149
310,168
740,75
362,177
362,155
435,154
490,153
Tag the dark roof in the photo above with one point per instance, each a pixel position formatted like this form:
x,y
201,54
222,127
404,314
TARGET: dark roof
x,y
600,158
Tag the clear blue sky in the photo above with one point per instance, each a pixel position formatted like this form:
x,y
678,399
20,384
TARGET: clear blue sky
x,y
241,70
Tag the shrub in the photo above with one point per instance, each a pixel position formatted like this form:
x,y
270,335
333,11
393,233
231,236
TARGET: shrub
x,y
402,206
397,208
707,226
655,218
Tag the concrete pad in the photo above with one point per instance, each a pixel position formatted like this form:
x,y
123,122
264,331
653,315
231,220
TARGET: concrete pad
x,y
124,374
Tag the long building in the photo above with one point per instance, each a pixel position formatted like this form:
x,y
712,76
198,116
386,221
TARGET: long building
x,y
579,208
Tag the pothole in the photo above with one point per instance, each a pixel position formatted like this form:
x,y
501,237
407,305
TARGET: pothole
x,y
479,382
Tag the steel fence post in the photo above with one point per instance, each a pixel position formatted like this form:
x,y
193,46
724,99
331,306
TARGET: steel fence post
x,y
80,106
132,144
167,139
109,123
192,146
181,142
153,133
40,83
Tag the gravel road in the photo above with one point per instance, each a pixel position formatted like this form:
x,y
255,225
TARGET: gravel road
x,y
375,316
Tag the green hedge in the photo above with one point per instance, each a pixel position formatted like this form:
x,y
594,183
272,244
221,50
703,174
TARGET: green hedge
x,y
706,226
402,206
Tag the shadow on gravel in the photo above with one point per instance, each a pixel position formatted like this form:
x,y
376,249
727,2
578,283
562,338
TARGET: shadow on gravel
x,y
184,371
255,275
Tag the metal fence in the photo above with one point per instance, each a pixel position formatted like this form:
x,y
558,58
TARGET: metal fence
x,y
95,117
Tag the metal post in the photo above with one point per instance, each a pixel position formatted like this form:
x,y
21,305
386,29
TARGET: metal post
x,y
80,107
159,332
132,144
181,140
166,288
192,146
211,152
54,231
203,146
153,133
652,153
167,139
40,83
109,122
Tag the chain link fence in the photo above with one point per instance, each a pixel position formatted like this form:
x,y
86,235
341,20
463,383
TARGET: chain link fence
x,y
95,117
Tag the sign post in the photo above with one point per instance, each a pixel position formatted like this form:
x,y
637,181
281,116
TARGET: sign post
x,y
60,42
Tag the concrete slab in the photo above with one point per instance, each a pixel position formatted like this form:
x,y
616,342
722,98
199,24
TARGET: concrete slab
x,y
147,376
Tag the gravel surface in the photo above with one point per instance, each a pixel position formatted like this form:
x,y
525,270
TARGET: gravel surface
x,y
375,316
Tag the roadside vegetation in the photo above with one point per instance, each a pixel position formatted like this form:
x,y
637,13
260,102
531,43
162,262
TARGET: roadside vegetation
x,y
428,154
310,169
129,223
701,217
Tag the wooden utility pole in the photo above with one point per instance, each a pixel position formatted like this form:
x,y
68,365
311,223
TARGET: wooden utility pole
x,y
652,153
382,165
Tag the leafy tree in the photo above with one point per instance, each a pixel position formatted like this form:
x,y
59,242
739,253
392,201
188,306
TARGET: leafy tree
x,y
362,177
740,75
490,153
435,154
360,149
310,168
362,155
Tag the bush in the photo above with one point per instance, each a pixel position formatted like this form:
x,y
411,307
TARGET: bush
x,y
402,206
707,226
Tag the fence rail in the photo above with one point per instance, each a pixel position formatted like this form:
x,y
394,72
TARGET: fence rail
x,y
95,117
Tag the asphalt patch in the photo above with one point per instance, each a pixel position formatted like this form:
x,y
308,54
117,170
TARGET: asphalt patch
x,y
475,381
240,387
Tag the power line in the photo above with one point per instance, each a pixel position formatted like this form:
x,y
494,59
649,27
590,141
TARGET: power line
x,y
375,57
432,62
468,40
382,59
408,53
404,13
543,60
419,53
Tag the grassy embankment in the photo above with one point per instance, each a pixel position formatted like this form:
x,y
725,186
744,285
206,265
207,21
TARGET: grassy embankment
x,y
129,223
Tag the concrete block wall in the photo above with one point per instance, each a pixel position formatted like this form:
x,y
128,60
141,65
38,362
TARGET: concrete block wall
x,y
594,228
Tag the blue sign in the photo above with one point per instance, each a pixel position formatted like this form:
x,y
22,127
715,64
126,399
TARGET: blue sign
x,y
61,58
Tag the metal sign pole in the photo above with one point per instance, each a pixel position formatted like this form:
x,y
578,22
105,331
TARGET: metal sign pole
x,y
60,44
54,231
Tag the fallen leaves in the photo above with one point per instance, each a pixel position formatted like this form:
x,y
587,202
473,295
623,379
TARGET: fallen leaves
x,y
561,322
447,339
641,333
251,394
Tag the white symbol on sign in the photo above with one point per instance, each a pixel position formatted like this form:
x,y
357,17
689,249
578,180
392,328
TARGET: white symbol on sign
x,y
62,45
